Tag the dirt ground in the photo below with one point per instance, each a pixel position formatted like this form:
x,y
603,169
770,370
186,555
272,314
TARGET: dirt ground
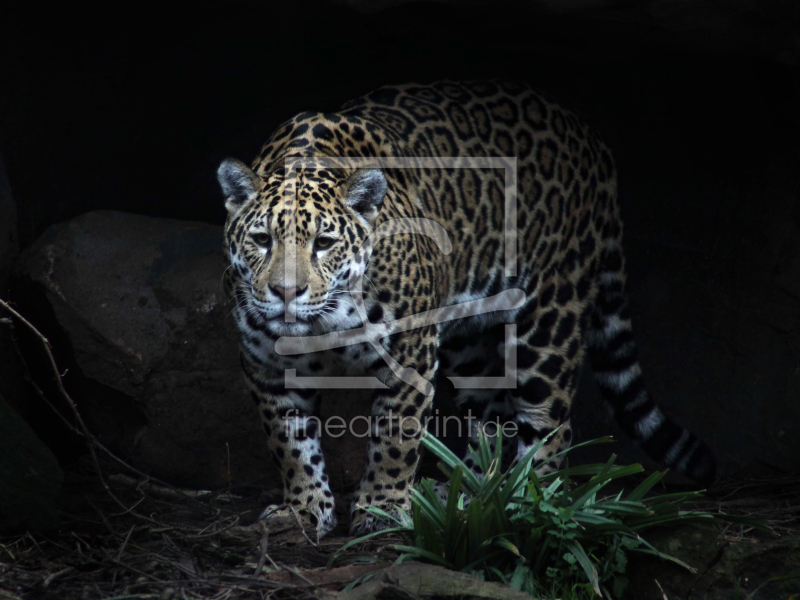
x,y
153,541
169,544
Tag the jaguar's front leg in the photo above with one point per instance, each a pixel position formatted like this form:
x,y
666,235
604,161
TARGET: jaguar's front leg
x,y
289,418
399,415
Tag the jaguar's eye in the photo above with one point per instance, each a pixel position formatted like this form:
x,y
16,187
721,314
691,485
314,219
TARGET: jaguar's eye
x,y
323,243
261,238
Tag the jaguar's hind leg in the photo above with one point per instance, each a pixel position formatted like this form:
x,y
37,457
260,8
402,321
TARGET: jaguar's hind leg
x,y
549,356
484,410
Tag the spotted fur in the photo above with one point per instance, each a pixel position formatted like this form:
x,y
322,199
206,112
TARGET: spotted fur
x,y
570,267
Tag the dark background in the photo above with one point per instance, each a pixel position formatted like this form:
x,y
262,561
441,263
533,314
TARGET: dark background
x,y
133,109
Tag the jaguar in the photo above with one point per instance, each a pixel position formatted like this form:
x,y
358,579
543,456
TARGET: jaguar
x,y
426,231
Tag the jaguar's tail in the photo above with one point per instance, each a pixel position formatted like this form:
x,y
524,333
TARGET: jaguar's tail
x,y
612,352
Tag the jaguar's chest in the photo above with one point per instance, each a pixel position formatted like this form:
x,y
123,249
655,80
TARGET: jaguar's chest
x,y
312,355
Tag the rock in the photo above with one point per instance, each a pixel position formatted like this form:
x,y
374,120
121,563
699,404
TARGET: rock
x,y
158,379
30,474
415,581
697,545
771,567
323,578
155,353
724,570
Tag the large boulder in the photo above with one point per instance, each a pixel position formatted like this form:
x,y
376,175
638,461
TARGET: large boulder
x,y
152,351
723,570
158,375
30,474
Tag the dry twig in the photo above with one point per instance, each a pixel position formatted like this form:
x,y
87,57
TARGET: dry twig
x,y
81,430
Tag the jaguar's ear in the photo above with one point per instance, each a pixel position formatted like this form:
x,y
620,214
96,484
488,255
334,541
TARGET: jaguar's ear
x,y
239,184
365,192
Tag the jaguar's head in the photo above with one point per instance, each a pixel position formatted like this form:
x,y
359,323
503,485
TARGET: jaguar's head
x,y
293,236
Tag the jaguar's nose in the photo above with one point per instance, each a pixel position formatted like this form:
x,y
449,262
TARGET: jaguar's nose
x,y
288,293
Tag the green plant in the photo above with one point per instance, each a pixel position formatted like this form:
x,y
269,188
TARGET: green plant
x,y
548,534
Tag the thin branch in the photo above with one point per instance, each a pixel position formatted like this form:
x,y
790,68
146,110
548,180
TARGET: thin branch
x,y
92,443
82,430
